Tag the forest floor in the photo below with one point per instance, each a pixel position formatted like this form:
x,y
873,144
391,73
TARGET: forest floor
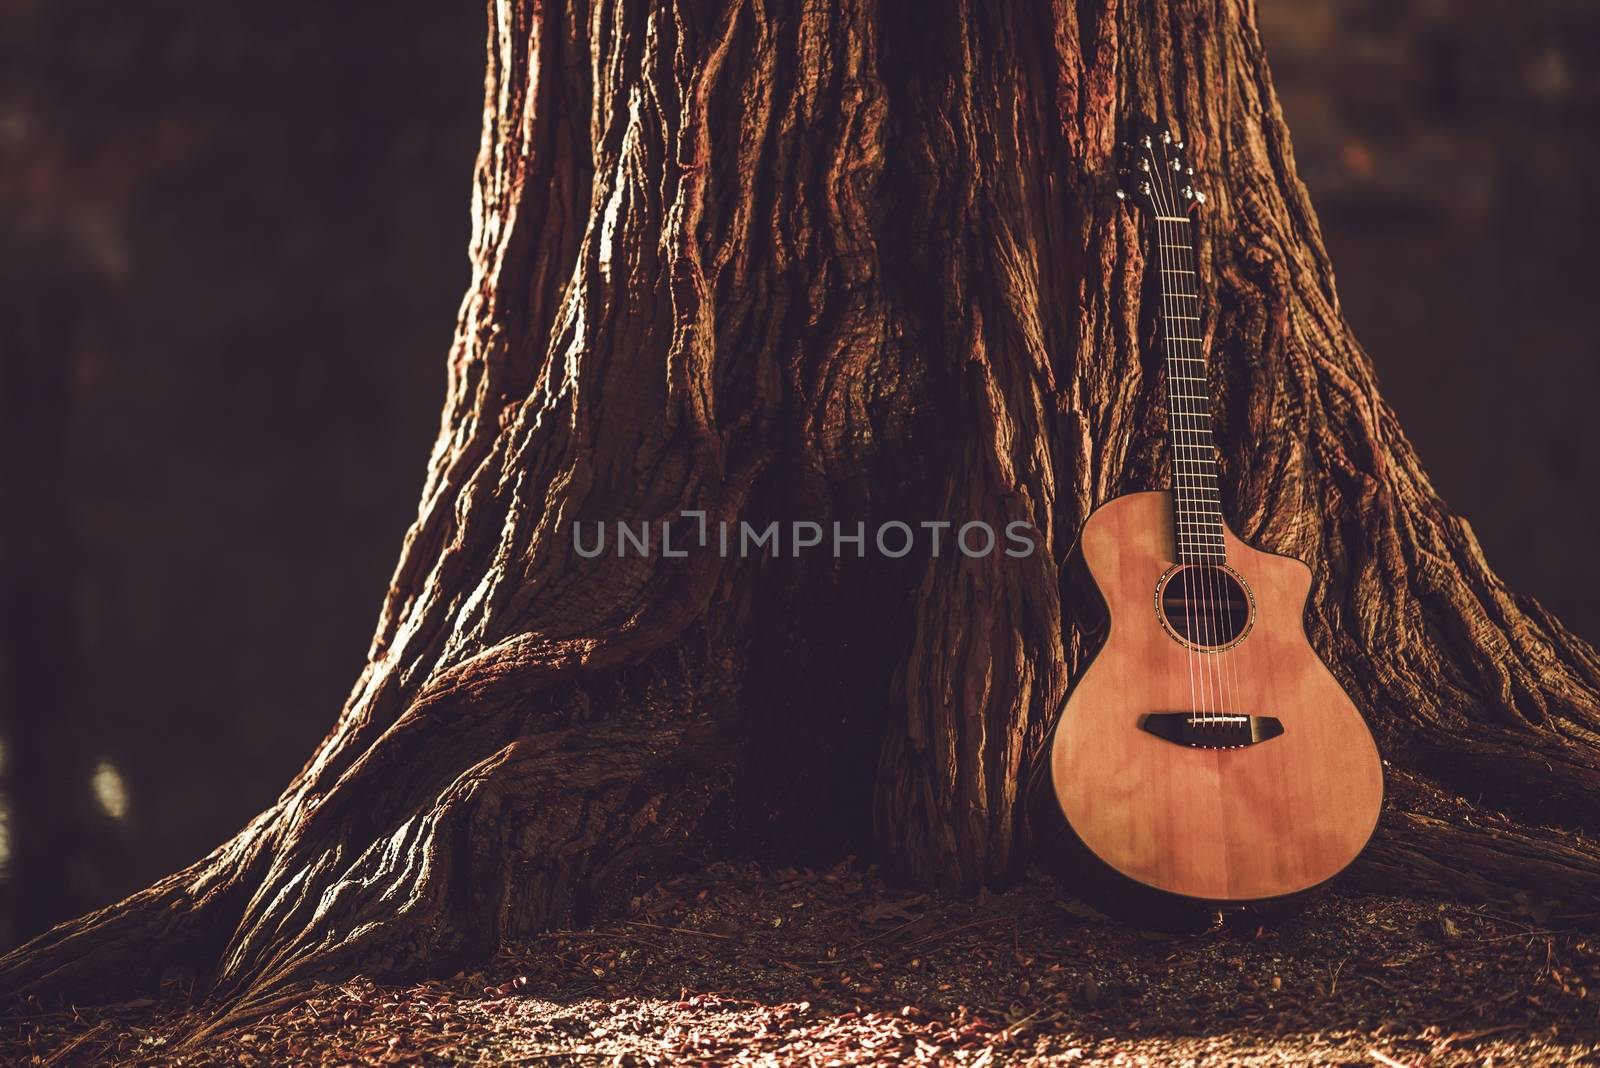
x,y
743,965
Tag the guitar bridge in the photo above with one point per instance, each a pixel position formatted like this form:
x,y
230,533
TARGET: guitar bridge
x,y
1211,730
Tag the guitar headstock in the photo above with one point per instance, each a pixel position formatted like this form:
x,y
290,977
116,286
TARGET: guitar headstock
x,y
1156,174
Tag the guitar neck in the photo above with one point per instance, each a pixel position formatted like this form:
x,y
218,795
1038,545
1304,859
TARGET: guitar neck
x,y
1195,486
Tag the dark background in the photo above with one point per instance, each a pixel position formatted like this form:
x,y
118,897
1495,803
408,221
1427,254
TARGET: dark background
x,y
232,243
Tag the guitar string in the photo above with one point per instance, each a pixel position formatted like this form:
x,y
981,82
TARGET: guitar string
x,y
1220,585
1183,435
1198,528
1191,657
1180,507
1184,438
1199,471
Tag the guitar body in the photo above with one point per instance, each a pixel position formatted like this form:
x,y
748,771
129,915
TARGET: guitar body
x,y
1214,758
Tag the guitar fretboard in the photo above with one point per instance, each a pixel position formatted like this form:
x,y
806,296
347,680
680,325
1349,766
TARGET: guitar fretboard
x,y
1195,487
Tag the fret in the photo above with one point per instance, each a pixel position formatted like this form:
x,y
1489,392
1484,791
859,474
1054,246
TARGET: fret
x,y
1196,485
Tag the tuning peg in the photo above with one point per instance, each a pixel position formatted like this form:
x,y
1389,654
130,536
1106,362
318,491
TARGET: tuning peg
x,y
1166,137
1144,165
1188,193
1189,171
1200,198
1122,194
1144,187
1177,166
1178,145
1145,141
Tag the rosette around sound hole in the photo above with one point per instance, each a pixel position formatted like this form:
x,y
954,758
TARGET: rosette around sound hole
x,y
1205,606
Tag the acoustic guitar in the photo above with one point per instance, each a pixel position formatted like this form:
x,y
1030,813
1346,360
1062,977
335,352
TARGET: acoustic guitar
x,y
1206,752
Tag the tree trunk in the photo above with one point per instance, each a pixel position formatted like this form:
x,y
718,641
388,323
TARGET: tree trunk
x,y
847,263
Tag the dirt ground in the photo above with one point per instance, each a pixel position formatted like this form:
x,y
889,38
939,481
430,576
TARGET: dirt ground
x,y
743,965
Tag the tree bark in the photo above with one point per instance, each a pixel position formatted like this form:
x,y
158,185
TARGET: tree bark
x,y
854,263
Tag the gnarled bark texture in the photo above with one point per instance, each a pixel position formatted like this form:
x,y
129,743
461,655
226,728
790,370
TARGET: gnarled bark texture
x,y
856,262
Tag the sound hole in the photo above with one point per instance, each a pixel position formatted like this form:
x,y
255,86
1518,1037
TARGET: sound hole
x,y
1205,605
